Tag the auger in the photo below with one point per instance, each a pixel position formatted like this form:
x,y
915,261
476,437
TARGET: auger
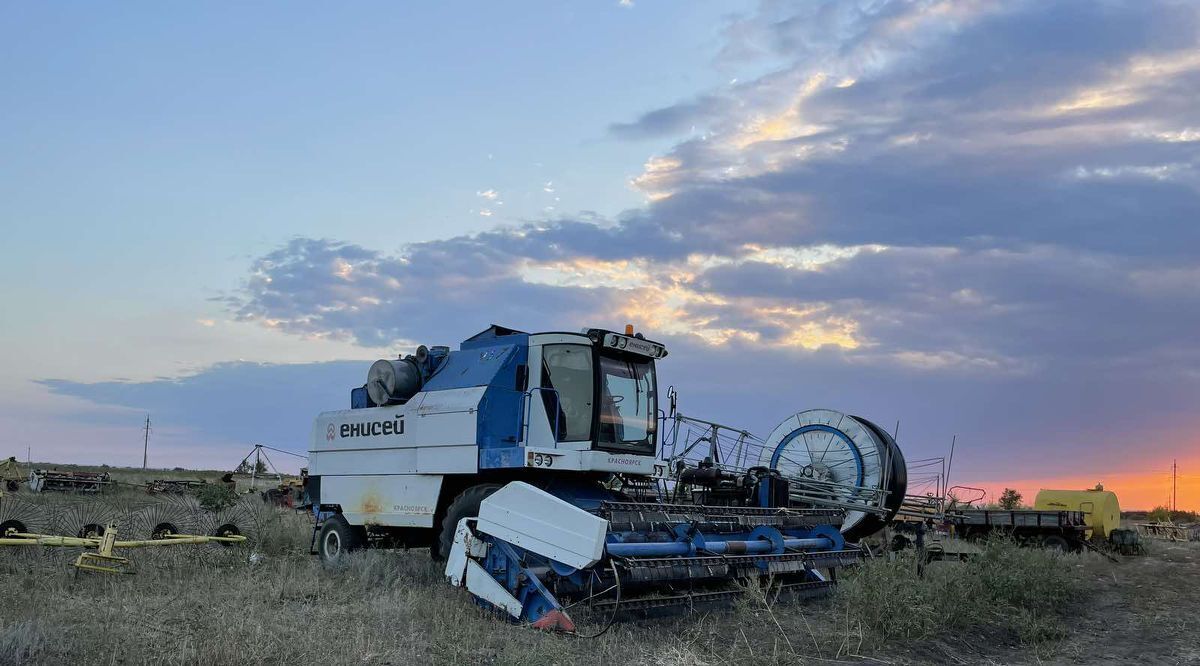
x,y
542,469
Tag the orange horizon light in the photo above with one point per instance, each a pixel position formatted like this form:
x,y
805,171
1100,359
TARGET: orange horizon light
x,y
1135,492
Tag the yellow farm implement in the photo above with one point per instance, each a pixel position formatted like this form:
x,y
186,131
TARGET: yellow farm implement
x,y
103,559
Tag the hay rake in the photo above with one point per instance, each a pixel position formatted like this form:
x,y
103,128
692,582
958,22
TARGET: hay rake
x,y
93,526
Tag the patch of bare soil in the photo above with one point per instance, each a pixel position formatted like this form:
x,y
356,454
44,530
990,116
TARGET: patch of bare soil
x,y
1146,610
1143,610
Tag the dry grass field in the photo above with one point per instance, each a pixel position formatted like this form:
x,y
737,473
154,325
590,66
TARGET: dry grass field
x,y
217,605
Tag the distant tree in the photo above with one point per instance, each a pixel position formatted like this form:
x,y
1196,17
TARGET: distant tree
x,y
1160,514
1010,499
1099,486
243,467
260,467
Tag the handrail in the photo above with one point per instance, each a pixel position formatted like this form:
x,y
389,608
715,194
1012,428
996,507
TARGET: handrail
x,y
527,411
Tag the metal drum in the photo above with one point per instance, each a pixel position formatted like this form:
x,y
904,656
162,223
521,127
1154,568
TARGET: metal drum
x,y
832,458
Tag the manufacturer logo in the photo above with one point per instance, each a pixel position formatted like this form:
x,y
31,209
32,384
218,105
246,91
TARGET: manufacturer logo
x,y
370,428
638,346
629,462
330,433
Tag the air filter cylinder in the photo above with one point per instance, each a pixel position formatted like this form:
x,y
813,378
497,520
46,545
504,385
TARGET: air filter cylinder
x,y
392,382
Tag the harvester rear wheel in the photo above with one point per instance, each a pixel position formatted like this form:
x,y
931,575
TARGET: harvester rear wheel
x,y
338,538
466,505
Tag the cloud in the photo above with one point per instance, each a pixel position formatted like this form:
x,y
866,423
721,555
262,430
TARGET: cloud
x,y
229,406
938,185
975,79
673,119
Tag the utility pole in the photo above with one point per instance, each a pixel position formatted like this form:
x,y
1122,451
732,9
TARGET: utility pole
x,y
145,441
950,463
1174,477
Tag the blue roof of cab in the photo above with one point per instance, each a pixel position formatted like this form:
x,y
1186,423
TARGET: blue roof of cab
x,y
495,335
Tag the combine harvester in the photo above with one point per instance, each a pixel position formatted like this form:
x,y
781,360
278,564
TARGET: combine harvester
x,y
532,464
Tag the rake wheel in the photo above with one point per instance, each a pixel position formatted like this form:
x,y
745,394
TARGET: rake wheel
x,y
167,515
19,515
86,519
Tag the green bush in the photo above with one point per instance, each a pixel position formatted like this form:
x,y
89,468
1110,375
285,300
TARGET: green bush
x,y
216,497
1018,593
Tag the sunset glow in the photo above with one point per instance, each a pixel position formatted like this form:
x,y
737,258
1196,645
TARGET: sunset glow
x,y
1135,491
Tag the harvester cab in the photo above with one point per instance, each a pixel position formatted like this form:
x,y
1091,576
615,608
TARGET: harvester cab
x,y
536,466
508,405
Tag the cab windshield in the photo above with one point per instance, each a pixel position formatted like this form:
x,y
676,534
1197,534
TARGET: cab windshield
x,y
628,407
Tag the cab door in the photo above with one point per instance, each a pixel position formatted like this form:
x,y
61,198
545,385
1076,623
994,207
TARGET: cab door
x,y
560,402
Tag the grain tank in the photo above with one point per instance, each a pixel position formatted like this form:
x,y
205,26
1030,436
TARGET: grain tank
x,y
1100,507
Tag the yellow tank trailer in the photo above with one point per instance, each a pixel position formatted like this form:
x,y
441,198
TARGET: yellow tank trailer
x,y
1101,510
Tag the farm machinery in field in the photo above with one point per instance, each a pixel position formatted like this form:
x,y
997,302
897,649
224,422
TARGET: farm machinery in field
x,y
104,558
93,524
53,480
11,475
542,469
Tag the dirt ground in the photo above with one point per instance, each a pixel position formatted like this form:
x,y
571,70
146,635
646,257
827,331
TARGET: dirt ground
x,y
1147,610
1143,610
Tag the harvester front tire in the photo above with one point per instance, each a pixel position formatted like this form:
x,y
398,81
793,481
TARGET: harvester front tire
x,y
337,539
466,505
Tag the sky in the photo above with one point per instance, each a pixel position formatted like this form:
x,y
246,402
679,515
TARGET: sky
x,y
978,220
